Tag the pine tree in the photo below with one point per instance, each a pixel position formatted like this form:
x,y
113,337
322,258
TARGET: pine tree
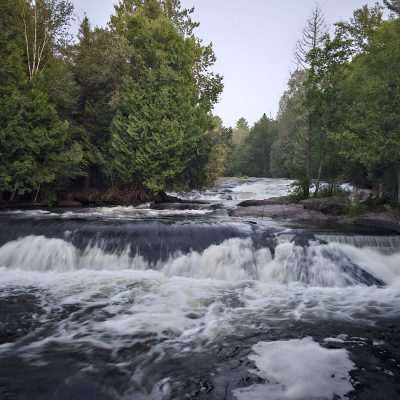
x,y
160,133
36,145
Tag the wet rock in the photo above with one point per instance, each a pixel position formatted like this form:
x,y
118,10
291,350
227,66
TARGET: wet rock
x,y
266,240
273,201
180,206
385,220
327,205
292,212
69,204
305,239
269,211
163,198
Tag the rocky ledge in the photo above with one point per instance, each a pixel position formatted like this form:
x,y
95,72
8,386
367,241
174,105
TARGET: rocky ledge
x,y
112,197
316,211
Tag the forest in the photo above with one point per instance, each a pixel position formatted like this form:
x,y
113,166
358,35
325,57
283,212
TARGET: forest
x,y
339,119
130,105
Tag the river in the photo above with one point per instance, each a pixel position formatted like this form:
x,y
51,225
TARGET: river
x,y
143,304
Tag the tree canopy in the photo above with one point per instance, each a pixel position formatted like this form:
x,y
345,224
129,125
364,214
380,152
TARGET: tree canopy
x,y
140,118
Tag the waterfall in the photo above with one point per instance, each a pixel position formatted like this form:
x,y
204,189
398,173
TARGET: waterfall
x,y
236,259
390,243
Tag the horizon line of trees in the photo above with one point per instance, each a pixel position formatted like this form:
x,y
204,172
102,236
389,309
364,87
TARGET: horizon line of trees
x,y
130,105
339,119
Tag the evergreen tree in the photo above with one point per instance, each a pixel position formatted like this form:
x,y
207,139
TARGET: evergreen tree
x,y
45,155
97,85
36,146
159,136
371,128
307,55
288,156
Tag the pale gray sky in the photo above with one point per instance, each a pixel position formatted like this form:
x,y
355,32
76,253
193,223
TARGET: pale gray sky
x,y
254,41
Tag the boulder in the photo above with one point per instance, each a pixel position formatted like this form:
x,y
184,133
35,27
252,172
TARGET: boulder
x,y
163,198
383,220
267,202
179,206
337,205
292,212
69,204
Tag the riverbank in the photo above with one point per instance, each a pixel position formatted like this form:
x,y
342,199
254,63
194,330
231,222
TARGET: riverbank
x,y
94,198
240,198
319,211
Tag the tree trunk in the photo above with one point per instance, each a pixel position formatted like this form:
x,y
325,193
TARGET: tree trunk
x,y
318,183
308,163
37,195
12,197
380,191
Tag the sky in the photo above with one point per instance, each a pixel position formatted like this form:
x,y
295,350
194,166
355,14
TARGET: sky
x,y
254,41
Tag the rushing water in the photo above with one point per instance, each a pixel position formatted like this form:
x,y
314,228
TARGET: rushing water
x,y
125,303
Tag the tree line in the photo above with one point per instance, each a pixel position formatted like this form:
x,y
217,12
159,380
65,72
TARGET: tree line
x,y
126,105
130,105
339,119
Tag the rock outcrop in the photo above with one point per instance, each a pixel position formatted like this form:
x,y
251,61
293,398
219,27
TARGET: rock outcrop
x,y
337,205
268,202
292,212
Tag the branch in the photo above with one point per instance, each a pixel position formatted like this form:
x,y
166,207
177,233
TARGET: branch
x,y
45,41
27,44
35,41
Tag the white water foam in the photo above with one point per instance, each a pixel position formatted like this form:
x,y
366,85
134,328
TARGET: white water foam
x,y
191,298
231,191
261,189
235,260
391,243
110,213
298,370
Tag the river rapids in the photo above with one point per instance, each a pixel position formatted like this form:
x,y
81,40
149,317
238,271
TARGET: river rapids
x,y
131,303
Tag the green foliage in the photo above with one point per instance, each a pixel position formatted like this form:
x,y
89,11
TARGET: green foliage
x,y
36,144
36,149
357,208
288,152
300,189
221,142
339,118
252,157
97,85
370,134
160,135
141,116
241,132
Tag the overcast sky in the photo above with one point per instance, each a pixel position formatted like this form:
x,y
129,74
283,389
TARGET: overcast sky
x,y
254,41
